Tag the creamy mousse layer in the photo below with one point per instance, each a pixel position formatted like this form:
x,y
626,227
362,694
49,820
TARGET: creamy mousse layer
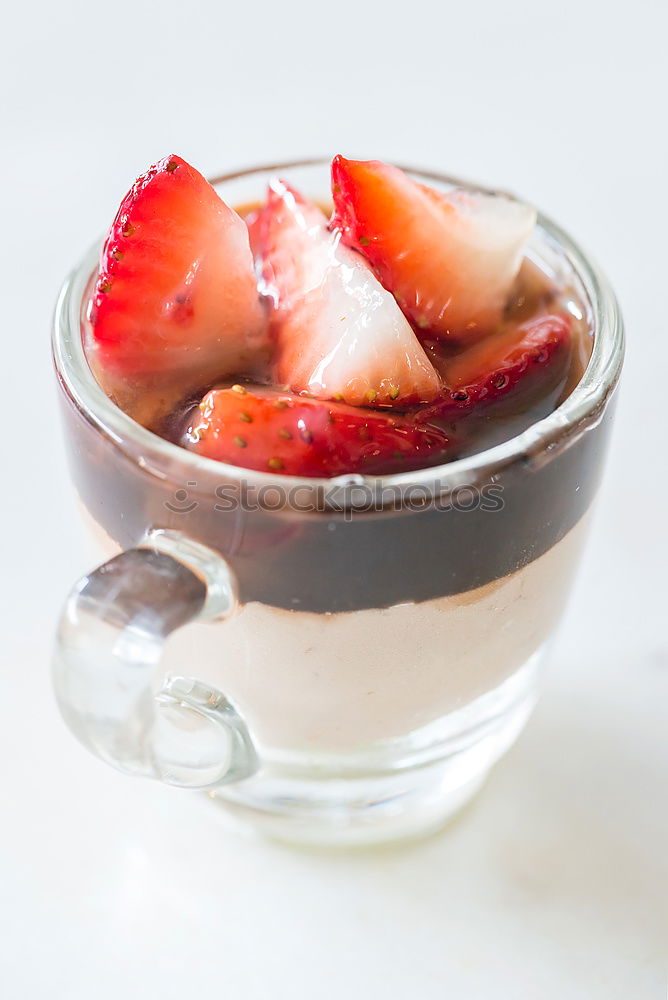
x,y
337,682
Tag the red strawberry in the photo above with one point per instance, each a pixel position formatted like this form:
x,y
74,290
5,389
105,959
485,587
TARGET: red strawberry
x,y
176,294
294,435
522,357
338,333
450,258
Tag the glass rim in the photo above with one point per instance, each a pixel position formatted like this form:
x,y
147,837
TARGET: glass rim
x,y
581,410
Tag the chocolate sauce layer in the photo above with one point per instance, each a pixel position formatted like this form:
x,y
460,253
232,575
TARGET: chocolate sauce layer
x,y
323,560
327,561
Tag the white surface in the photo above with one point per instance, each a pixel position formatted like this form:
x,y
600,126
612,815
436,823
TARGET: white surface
x,y
552,884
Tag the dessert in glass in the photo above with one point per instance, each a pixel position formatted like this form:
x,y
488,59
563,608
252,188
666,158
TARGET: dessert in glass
x,y
335,430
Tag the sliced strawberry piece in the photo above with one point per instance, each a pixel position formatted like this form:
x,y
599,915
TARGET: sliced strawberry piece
x,y
294,435
338,333
176,295
522,358
450,258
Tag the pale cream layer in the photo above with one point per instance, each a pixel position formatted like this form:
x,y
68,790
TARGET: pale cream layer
x,y
338,681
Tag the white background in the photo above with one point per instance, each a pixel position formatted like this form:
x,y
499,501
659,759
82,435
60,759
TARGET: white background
x,y
551,885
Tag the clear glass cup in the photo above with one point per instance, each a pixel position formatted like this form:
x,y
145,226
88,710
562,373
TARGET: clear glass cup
x,y
335,661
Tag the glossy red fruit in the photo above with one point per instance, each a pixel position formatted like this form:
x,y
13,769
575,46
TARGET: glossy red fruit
x,y
450,258
278,432
524,357
176,291
338,333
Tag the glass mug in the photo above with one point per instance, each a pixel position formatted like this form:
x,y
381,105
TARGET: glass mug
x,y
336,661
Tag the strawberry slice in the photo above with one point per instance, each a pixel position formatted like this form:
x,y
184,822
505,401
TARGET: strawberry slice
x,y
294,435
524,358
450,258
338,333
176,295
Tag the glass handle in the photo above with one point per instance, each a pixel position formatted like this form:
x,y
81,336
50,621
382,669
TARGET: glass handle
x,y
109,644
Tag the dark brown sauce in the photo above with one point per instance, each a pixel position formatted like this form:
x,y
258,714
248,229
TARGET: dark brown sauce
x,y
327,562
